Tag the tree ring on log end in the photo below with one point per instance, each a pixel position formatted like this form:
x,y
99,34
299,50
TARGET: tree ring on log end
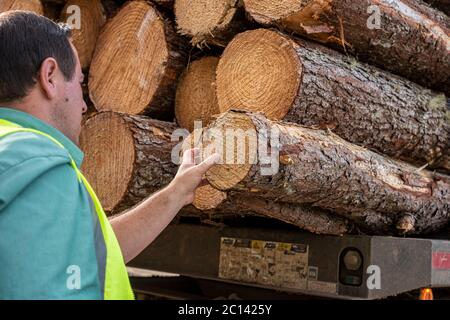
x,y
201,18
235,138
129,60
267,11
196,93
207,197
108,144
259,71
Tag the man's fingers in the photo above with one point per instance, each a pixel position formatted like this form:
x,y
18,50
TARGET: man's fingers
x,y
190,155
208,163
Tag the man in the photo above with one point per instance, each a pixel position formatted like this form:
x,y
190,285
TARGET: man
x,y
55,241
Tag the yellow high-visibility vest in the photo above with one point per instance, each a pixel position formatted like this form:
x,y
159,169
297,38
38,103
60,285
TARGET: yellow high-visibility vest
x,y
117,284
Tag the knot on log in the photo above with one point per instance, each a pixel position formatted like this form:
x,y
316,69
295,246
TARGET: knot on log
x,y
406,223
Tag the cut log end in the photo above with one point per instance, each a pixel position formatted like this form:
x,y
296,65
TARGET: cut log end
x,y
267,11
136,63
235,139
27,5
259,71
207,197
108,144
196,93
204,19
117,80
85,38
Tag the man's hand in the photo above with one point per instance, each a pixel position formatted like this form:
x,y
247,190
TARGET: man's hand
x,y
190,175
139,226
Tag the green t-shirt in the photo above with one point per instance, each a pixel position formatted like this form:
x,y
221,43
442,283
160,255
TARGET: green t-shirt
x,y
51,246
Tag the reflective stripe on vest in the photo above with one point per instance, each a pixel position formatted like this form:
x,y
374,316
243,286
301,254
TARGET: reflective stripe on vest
x,y
116,282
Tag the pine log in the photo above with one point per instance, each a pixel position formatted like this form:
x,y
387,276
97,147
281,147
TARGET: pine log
x,y
196,98
210,21
93,18
443,5
303,82
127,157
28,5
136,64
409,38
319,169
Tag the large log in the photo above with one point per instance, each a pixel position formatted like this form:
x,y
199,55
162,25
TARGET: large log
x,y
214,203
320,169
28,5
127,157
210,21
196,98
92,19
136,64
406,37
306,83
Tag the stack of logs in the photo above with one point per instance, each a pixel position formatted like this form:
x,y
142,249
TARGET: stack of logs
x,y
357,91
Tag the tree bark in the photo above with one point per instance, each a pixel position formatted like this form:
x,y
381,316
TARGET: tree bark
x,y
234,204
405,37
320,169
210,21
137,62
303,82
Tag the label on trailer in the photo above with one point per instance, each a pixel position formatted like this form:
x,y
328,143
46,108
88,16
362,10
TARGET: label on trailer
x,y
441,260
275,264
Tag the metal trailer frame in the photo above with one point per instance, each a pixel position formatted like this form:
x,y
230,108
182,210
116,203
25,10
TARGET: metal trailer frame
x,y
300,262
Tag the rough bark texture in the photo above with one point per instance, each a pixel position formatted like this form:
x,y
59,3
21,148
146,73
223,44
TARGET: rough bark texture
x,y
443,5
154,168
372,109
409,39
359,102
322,170
314,220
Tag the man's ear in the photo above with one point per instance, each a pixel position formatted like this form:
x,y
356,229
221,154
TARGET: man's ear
x,y
48,78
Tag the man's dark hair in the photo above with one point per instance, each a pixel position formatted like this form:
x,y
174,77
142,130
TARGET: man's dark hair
x,y
26,40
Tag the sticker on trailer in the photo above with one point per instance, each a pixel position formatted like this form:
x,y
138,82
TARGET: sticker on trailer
x,y
269,263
